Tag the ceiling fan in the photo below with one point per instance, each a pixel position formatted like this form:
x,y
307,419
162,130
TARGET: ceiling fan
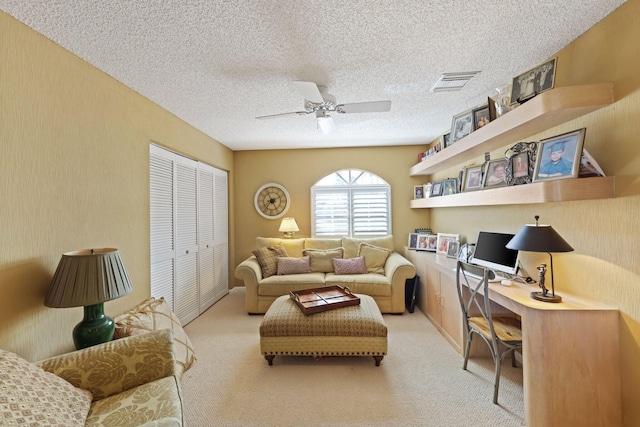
x,y
319,101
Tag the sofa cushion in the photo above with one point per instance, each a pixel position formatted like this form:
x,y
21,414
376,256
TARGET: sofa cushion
x,y
281,285
152,315
320,260
349,266
268,258
375,257
290,265
316,243
31,396
154,401
376,285
293,247
351,246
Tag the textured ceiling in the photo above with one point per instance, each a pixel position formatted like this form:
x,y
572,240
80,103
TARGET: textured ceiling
x,y
219,64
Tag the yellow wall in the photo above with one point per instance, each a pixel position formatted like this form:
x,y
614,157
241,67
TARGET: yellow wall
x,y
299,170
605,234
74,159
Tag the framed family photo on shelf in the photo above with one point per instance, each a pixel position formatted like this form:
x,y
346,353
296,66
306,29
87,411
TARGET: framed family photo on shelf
x,y
481,117
521,161
443,242
494,174
418,192
472,179
533,82
559,157
461,125
436,189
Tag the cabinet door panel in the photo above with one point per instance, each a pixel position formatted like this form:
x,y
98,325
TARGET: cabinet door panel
x,y
451,311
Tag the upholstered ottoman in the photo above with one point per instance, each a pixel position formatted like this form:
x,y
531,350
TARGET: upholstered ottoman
x,y
357,330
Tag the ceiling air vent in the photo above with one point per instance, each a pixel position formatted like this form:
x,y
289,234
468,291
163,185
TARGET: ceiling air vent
x,y
453,81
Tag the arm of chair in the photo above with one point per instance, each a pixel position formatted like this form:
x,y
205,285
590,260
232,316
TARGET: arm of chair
x,y
398,269
250,273
116,366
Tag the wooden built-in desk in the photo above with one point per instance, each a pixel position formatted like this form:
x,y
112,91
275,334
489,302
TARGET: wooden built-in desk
x,y
571,351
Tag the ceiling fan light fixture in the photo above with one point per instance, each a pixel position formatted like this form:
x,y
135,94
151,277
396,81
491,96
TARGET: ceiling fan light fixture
x,y
453,81
326,123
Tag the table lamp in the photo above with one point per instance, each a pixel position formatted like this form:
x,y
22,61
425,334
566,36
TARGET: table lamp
x,y
540,238
288,226
88,278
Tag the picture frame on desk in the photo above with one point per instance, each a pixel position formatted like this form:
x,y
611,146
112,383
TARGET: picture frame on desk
x,y
443,242
453,247
413,241
559,157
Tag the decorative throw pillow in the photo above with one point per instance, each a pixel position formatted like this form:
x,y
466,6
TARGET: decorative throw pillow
x,y
320,260
30,396
289,265
374,257
349,266
152,315
268,259
351,245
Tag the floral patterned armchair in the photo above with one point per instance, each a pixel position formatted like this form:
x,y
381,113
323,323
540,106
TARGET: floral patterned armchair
x,y
133,380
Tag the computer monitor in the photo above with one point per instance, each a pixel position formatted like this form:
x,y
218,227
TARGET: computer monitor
x,y
491,252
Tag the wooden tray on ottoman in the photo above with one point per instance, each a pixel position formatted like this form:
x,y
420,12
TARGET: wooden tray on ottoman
x,y
317,300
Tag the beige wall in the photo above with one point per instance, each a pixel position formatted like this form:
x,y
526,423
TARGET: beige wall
x,y
299,170
74,159
605,234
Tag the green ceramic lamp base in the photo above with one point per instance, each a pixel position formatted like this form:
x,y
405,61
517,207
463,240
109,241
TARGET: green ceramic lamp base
x,y
95,327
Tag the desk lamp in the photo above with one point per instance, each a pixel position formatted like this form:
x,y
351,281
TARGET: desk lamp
x,y
540,238
288,226
88,278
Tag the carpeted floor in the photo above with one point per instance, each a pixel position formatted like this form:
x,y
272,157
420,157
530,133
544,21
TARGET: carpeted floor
x,y
419,383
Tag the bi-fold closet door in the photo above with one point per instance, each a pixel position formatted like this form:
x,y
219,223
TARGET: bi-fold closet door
x,y
189,232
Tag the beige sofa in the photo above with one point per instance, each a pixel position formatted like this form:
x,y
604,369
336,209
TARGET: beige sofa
x,y
133,381
386,286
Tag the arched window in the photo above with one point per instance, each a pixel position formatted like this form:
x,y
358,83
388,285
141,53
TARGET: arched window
x,y
351,203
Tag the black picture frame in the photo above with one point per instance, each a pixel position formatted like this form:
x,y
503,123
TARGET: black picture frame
x,y
533,82
446,138
521,161
481,117
568,147
436,189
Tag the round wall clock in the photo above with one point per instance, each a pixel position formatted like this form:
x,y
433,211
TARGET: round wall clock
x,y
272,201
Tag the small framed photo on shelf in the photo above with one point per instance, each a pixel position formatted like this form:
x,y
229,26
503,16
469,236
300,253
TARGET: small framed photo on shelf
x,y
413,241
446,138
443,242
559,157
495,174
533,82
472,178
436,189
521,160
461,125
481,117
449,186
418,192
453,246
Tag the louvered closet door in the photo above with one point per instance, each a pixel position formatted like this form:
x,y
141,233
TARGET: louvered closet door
x,y
221,235
162,205
186,286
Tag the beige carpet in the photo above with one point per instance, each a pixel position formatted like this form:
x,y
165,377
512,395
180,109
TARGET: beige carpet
x,y
419,383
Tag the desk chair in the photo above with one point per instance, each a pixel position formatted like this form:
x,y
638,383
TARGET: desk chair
x,y
498,332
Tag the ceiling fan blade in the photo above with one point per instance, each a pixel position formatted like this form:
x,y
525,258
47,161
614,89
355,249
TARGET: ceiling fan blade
x,y
310,91
364,107
271,116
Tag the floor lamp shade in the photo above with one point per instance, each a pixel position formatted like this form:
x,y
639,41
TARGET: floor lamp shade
x,y
88,278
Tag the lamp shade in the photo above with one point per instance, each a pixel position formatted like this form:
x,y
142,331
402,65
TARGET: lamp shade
x,y
88,277
538,238
288,225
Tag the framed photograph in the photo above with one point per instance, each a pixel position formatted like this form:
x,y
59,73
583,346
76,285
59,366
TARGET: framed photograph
x,y
449,186
453,248
532,82
413,240
446,138
432,242
481,117
559,156
436,189
495,174
461,126
418,192
426,242
521,162
472,179
442,244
